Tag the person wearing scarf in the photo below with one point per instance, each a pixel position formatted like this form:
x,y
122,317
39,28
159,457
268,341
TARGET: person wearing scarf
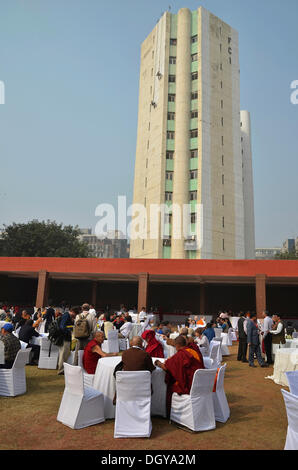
x,y
154,347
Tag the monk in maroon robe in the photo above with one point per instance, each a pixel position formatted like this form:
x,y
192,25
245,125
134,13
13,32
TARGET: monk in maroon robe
x,y
180,369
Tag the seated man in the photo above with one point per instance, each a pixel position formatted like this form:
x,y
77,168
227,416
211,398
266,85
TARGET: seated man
x,y
93,352
202,341
180,369
25,334
134,358
11,345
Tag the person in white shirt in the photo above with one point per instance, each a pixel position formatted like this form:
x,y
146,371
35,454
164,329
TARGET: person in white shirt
x,y
92,322
92,310
278,333
267,336
202,341
126,328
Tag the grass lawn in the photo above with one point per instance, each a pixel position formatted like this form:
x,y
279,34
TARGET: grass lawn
x,y
258,418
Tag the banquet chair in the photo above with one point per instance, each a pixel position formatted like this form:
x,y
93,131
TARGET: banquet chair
x,y
80,406
218,332
133,404
292,377
291,403
123,344
220,402
111,345
224,345
87,378
13,381
195,411
295,334
215,354
49,353
2,361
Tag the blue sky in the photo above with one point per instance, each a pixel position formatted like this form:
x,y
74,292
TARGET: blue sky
x,y
71,74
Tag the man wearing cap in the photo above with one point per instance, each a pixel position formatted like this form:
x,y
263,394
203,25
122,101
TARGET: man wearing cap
x,y
11,345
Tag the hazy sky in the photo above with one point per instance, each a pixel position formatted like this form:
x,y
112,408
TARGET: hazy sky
x,y
68,125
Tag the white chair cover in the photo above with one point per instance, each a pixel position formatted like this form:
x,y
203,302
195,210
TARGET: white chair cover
x,y
292,377
295,334
80,406
13,381
113,341
224,345
291,403
218,332
230,337
221,407
2,359
48,356
123,344
88,378
195,411
215,354
71,358
133,404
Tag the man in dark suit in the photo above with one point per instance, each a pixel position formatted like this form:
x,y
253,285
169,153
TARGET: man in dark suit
x,y
253,341
242,337
135,358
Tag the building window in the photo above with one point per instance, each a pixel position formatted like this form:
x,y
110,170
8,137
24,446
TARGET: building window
x,y
221,85
222,121
193,195
171,116
221,104
223,244
171,98
167,241
169,175
170,135
169,155
168,196
172,78
194,57
222,140
223,199
223,179
193,133
173,42
193,174
194,95
222,160
223,222
194,39
194,153
172,60
193,217
194,75
193,114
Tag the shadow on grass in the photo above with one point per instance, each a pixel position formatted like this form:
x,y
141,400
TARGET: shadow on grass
x,y
241,413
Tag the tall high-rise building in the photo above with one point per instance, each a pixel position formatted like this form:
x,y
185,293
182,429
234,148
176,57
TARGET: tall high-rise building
x,y
189,147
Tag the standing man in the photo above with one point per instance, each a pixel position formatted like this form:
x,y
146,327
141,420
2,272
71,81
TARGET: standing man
x,y
242,338
278,333
253,341
92,328
65,326
267,336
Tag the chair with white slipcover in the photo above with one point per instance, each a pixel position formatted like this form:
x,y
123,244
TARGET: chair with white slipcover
x,y
220,402
215,354
111,345
13,381
291,403
133,404
218,332
80,406
292,377
195,411
88,378
49,353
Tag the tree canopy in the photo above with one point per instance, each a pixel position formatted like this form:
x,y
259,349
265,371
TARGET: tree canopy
x,y
42,239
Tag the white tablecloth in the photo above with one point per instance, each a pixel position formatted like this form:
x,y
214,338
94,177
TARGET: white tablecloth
x,y
36,339
104,382
286,359
292,343
234,322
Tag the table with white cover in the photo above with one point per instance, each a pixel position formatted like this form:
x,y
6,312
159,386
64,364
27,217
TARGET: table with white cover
x,y
292,343
286,359
104,381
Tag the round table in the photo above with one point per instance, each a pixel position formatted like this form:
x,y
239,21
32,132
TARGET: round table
x,y
104,381
292,343
286,359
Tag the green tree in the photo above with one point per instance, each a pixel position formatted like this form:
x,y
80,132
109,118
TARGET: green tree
x,y
287,255
42,239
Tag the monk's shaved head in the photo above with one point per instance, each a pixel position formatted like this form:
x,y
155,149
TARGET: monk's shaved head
x,y
180,341
137,341
184,331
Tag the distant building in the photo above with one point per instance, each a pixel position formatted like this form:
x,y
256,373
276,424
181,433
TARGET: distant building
x,y
114,246
289,245
267,253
